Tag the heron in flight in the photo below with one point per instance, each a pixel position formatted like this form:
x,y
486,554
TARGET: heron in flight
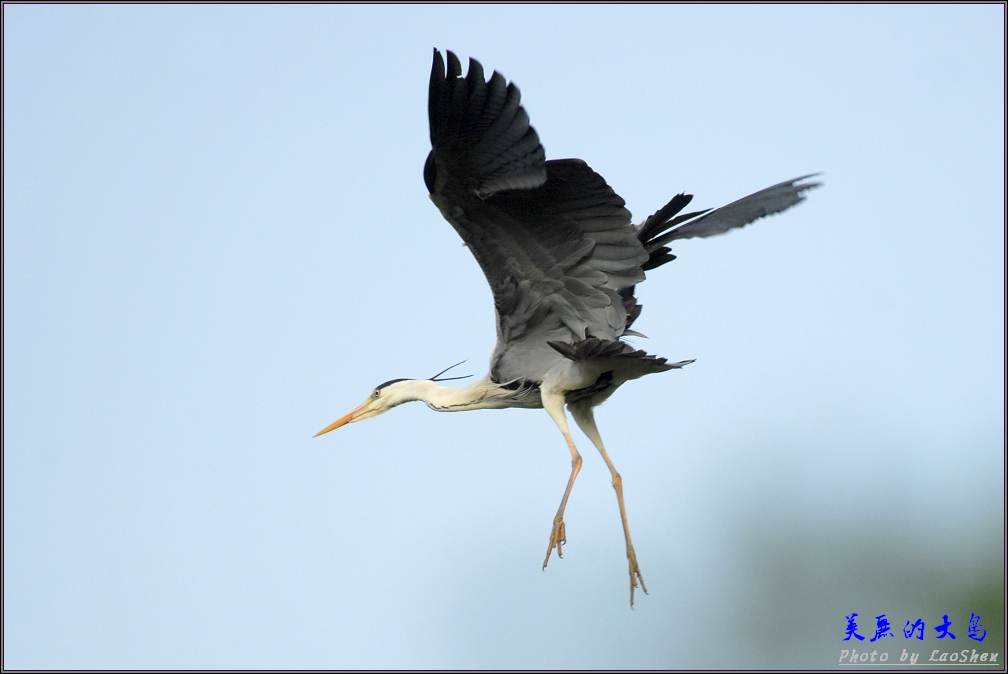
x,y
563,261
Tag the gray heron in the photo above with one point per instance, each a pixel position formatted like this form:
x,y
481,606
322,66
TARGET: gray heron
x,y
563,261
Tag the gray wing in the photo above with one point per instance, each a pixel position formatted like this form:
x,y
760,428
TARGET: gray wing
x,y
667,225
554,241
662,228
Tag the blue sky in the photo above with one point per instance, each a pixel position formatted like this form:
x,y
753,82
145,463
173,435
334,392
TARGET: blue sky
x,y
217,240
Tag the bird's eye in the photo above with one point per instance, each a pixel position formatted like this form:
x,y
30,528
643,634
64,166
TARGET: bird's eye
x,y
376,394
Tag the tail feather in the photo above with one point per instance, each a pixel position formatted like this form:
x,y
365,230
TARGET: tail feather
x,y
614,352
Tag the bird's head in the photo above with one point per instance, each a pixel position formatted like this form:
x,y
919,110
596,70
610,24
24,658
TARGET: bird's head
x,y
386,396
383,398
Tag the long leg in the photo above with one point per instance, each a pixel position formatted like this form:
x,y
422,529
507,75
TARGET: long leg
x,y
554,404
585,419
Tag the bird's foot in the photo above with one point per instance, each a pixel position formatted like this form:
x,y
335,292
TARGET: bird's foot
x,y
557,538
635,574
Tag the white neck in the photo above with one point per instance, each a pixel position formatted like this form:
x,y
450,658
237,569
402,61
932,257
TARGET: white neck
x,y
479,395
476,396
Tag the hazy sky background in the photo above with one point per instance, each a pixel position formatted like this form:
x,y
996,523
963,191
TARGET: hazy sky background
x,y
217,239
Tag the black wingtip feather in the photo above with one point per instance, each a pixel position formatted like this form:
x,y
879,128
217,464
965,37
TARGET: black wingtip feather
x,y
657,259
481,136
654,223
454,65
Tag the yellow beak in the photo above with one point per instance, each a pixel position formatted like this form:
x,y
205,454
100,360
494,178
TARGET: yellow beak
x,y
342,421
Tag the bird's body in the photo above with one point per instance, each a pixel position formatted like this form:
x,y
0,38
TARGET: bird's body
x,y
562,258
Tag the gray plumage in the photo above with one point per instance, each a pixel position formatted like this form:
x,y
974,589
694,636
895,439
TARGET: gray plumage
x,y
555,242
563,261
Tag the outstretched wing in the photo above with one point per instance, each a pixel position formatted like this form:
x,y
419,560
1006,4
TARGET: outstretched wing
x,y
667,225
552,238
